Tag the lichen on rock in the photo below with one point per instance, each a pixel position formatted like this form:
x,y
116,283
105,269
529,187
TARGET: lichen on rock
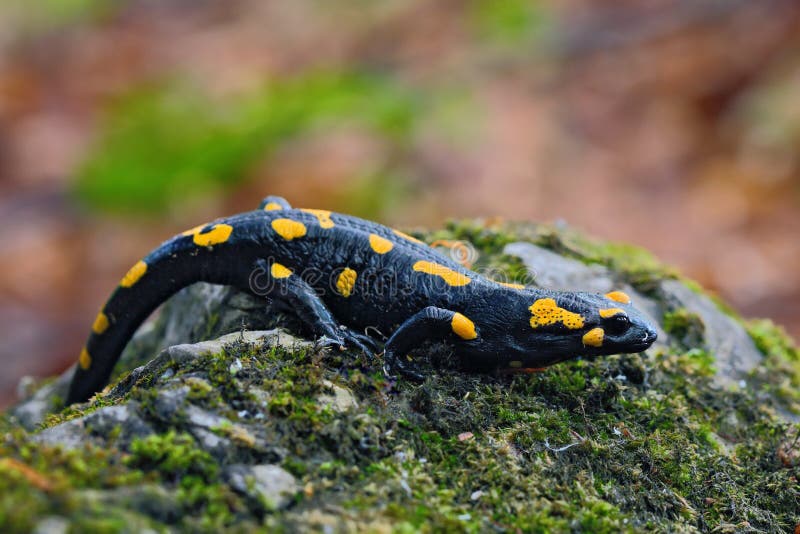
x,y
222,415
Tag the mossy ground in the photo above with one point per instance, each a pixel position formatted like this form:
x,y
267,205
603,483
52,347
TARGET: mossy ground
x,y
623,443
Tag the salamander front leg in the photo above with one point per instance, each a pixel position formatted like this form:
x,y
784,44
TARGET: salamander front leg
x,y
280,283
429,324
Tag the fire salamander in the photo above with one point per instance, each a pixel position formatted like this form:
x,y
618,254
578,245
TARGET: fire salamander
x,y
334,270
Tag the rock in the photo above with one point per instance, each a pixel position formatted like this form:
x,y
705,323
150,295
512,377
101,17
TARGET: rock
x,y
271,486
724,337
31,412
52,525
124,420
341,400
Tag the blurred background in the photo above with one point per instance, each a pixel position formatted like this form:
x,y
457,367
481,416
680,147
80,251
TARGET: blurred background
x,y
674,125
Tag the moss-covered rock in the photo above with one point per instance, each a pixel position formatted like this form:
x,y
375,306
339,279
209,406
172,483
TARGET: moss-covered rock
x,y
261,429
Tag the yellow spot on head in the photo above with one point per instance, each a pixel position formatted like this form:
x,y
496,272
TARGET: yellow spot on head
x,y
100,323
546,312
346,281
511,285
134,274
619,296
408,237
289,229
272,206
594,337
218,233
323,216
463,327
451,277
84,360
279,271
611,312
379,244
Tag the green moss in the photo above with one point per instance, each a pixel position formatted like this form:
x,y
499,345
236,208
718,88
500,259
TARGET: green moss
x,y
173,455
780,371
685,326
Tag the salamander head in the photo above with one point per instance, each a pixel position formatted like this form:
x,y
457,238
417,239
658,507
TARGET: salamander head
x,y
562,325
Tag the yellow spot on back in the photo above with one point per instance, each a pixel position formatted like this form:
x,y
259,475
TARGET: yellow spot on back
x,y
323,216
512,285
619,296
289,229
450,276
279,271
610,312
218,233
272,206
408,237
84,360
134,274
546,312
100,323
379,244
346,281
463,327
594,337
516,364
195,230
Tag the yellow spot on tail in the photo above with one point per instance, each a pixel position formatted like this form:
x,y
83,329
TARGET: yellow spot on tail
x,y
610,312
619,296
346,281
323,216
594,337
279,271
379,244
134,274
451,277
100,323
546,312
289,229
408,237
463,327
272,206
218,233
511,285
84,360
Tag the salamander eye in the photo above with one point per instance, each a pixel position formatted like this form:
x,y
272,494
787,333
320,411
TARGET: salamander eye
x,y
617,324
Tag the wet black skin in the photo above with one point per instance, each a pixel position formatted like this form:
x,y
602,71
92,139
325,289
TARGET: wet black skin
x,y
389,297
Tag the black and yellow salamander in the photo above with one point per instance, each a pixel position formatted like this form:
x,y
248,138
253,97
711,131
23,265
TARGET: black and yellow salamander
x,y
343,276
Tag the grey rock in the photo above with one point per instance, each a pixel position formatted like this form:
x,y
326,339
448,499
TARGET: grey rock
x,y
32,412
102,422
124,417
340,401
269,485
51,525
732,347
217,446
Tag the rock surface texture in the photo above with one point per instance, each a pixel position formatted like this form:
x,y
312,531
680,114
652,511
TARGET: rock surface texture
x,y
223,415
